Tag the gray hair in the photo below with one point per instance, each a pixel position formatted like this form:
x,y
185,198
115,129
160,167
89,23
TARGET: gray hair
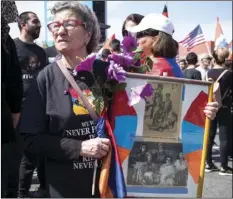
x,y
85,14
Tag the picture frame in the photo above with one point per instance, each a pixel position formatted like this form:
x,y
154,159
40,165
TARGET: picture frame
x,y
191,132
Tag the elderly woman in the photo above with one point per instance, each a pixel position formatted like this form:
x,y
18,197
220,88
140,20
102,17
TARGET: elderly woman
x,y
57,125
154,37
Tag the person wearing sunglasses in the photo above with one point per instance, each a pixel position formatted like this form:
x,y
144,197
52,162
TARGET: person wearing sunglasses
x,y
155,37
58,126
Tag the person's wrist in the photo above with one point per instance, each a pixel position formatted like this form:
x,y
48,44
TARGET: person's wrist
x,y
81,149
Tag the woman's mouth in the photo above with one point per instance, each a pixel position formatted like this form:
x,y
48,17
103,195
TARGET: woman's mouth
x,y
62,40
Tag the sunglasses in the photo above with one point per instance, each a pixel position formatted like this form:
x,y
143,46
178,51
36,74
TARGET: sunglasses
x,y
147,33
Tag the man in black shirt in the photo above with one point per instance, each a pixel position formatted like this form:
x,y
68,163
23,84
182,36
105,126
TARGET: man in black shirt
x,y
191,72
32,59
31,56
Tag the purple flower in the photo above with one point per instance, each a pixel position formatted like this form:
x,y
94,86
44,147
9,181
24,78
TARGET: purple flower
x,y
129,44
140,92
115,71
147,91
86,65
122,59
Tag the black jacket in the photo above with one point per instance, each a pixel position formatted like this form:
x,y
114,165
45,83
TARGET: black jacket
x,y
11,89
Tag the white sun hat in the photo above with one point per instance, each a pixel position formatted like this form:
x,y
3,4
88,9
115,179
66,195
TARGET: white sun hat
x,y
154,21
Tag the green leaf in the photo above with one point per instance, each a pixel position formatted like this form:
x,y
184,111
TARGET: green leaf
x,y
99,104
120,87
142,69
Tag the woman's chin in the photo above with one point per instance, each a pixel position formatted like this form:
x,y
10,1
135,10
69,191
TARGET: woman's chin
x,y
62,48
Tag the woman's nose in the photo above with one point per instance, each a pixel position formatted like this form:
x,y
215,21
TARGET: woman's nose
x,y
61,30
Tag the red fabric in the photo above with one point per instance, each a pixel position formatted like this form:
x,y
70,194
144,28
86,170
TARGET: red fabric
x,y
160,67
195,114
120,97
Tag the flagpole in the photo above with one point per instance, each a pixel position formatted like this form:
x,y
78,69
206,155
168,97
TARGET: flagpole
x,y
208,48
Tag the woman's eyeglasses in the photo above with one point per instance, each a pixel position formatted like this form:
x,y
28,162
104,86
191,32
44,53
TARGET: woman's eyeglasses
x,y
145,33
69,24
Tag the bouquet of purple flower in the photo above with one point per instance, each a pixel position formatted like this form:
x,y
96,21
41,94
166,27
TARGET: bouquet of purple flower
x,y
113,72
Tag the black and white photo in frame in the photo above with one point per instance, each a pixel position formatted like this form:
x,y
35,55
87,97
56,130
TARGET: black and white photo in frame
x,y
157,164
163,111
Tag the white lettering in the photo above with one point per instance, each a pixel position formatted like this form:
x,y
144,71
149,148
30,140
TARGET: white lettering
x,y
86,165
86,159
27,76
92,123
92,136
85,124
78,132
93,129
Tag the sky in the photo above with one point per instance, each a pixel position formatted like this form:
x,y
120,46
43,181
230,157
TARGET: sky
x,y
185,15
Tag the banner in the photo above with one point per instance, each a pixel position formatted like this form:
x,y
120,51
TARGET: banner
x,y
162,139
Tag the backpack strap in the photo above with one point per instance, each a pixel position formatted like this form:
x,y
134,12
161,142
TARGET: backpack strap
x,y
221,75
75,86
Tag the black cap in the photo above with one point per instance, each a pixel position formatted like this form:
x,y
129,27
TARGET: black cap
x,y
104,26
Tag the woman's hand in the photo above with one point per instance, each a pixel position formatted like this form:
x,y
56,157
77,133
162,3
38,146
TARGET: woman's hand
x,y
211,109
95,148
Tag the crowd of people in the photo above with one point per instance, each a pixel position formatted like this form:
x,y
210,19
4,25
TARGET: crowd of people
x,y
37,103
215,68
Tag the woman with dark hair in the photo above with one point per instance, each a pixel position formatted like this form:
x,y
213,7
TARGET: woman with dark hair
x,y
181,170
130,21
223,117
141,157
149,169
154,37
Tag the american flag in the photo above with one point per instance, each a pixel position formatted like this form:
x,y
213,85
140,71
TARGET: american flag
x,y
177,57
193,38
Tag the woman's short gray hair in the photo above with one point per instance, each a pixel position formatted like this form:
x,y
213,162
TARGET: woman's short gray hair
x,y
85,14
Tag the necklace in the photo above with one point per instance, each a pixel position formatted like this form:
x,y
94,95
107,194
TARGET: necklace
x,y
80,58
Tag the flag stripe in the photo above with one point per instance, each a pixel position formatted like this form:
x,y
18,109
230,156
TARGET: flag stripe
x,y
199,38
194,44
190,47
195,37
190,42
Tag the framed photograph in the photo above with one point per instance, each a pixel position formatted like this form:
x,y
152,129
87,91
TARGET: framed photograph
x,y
162,138
157,164
163,111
